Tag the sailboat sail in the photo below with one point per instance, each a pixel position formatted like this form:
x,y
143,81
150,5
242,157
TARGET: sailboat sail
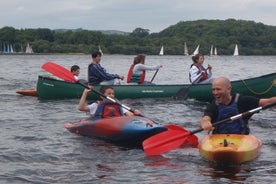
x,y
29,49
211,51
186,53
161,53
215,51
236,51
196,50
100,50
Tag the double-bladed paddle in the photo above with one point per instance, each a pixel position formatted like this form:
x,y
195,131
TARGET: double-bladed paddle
x,y
174,138
68,76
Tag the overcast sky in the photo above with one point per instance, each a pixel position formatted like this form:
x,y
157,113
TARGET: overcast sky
x,y
126,15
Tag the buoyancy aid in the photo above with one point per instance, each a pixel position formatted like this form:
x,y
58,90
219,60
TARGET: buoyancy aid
x,y
203,77
108,109
137,78
235,127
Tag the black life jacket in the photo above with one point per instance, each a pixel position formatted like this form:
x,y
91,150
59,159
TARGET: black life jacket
x,y
226,111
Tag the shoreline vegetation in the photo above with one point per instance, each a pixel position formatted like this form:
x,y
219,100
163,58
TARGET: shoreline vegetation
x,y
252,39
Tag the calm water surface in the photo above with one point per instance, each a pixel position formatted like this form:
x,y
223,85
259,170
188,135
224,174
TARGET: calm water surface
x,y
36,148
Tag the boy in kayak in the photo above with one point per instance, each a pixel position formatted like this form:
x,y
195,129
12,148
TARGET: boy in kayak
x,y
225,106
104,108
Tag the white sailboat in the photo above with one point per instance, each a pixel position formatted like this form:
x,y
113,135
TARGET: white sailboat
x,y
236,51
196,50
186,53
29,49
100,50
161,53
212,50
215,51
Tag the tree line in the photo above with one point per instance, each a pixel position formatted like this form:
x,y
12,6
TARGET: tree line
x,y
252,38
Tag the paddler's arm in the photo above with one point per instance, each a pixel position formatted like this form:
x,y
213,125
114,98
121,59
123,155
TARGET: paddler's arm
x,y
82,103
206,124
136,113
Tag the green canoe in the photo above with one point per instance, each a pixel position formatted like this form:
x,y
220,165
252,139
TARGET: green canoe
x,y
263,86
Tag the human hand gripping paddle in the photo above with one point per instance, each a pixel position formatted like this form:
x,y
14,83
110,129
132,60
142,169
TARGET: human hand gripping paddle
x,y
66,75
174,138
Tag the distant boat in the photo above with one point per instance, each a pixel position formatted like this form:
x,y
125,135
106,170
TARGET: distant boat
x,y
29,49
100,50
186,53
212,50
196,50
236,51
215,51
161,53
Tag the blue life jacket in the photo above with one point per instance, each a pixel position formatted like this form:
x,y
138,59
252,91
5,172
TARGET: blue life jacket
x,y
238,126
108,109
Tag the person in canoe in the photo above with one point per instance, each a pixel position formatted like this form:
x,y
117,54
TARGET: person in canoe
x,y
198,73
137,71
98,75
225,106
75,69
103,108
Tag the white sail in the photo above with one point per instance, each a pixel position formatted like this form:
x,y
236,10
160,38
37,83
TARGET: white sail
x,y
186,53
161,53
236,51
29,49
196,50
100,50
215,51
211,51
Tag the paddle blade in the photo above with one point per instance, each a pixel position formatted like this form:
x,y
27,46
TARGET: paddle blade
x,y
173,138
59,71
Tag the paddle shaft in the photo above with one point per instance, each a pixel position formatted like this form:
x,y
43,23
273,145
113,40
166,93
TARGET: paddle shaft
x,y
154,75
67,75
182,93
173,138
242,115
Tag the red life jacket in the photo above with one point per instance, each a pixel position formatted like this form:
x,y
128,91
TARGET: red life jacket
x,y
130,77
204,76
108,109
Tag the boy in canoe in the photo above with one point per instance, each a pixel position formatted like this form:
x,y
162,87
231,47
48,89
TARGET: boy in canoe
x,y
225,105
98,75
104,108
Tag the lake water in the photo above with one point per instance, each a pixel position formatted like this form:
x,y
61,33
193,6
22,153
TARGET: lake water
x,y
36,148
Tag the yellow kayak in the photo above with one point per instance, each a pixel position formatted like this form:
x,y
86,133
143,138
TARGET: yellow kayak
x,y
229,148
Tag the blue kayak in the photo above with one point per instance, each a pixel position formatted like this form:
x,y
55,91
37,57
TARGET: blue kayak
x,y
131,130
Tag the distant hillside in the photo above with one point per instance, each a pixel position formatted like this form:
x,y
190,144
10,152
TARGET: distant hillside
x,y
251,37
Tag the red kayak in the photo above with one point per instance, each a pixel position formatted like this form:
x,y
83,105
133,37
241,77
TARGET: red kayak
x,y
131,130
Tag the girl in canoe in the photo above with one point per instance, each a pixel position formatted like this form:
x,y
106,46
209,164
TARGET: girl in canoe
x,y
198,73
225,106
103,108
137,71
